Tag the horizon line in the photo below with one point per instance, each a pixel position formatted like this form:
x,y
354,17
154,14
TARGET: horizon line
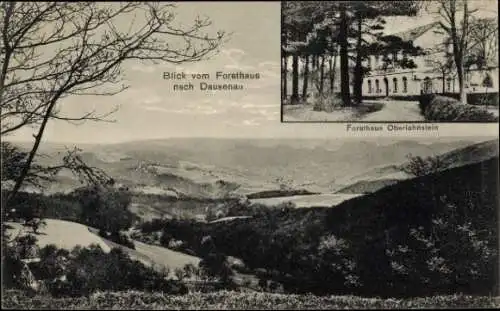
x,y
286,138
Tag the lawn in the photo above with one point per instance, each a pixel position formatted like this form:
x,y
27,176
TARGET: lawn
x,y
306,112
237,300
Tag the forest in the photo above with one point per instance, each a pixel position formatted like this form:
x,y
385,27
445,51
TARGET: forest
x,y
316,35
322,32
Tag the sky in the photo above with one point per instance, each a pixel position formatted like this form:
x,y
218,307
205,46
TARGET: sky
x,y
150,109
485,8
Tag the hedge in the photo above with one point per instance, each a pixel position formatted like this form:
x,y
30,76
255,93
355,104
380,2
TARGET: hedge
x,y
442,108
476,99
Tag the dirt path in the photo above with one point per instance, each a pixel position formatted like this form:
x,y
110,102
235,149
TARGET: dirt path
x,y
396,110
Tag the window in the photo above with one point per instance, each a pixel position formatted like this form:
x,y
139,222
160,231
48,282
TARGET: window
x,y
377,86
405,85
448,85
428,61
369,86
427,86
395,87
487,82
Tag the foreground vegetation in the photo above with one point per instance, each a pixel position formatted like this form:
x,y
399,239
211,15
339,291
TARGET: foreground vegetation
x,y
237,300
444,108
435,234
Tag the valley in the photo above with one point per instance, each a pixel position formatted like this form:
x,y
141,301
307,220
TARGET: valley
x,y
251,227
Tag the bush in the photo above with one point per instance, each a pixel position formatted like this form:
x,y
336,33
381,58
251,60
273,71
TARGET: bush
x,y
441,108
483,99
478,99
326,102
424,101
230,300
121,239
420,166
86,270
105,208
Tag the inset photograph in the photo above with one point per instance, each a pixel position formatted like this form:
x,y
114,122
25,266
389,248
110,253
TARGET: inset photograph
x,y
389,61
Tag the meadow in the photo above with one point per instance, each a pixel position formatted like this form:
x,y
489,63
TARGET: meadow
x,y
230,300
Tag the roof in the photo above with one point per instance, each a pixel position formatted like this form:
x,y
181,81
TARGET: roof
x,y
414,33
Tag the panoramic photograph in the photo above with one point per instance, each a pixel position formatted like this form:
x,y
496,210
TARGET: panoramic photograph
x,y
389,61
144,166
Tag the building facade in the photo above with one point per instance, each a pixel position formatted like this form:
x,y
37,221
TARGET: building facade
x,y
388,80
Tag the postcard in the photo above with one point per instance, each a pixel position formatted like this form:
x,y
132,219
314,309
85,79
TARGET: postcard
x,y
249,155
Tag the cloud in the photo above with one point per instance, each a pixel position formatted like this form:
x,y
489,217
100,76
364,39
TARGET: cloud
x,y
250,122
239,67
256,105
166,110
234,60
233,53
151,100
269,65
199,109
143,68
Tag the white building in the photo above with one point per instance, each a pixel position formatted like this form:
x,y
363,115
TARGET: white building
x,y
393,81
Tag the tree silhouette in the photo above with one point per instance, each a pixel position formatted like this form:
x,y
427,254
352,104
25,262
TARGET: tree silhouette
x,y
53,50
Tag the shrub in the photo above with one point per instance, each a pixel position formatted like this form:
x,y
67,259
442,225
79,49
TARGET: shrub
x,y
105,208
86,270
441,108
230,300
326,102
122,239
424,101
420,166
483,99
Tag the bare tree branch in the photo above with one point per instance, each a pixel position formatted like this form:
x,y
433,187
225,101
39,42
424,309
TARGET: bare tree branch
x,y
52,50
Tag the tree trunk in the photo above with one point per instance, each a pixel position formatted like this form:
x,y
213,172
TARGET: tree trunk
x,y
322,75
295,79
444,82
306,78
285,77
284,70
358,69
461,81
344,58
333,72
31,156
330,73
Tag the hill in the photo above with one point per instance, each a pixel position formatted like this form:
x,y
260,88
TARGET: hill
x,y
379,177
67,235
64,234
215,168
423,236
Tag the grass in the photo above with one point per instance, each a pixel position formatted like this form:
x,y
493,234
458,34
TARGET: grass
x,y
306,201
237,300
64,234
305,112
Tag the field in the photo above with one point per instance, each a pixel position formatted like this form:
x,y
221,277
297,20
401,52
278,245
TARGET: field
x,y
56,232
238,300
303,201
